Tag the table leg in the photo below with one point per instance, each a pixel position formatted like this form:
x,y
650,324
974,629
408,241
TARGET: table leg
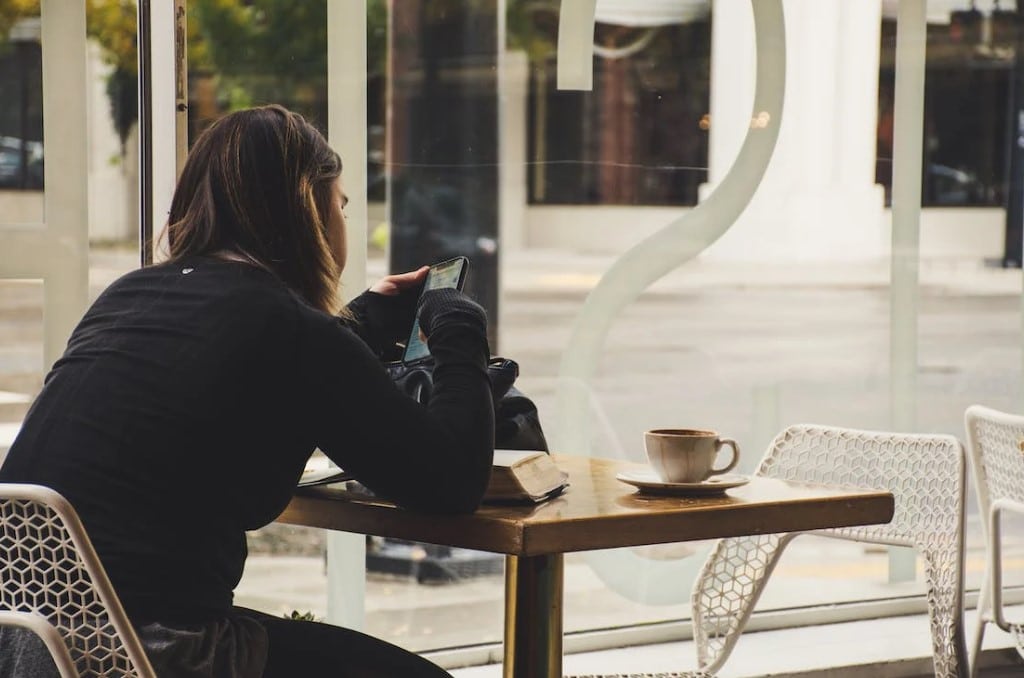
x,y
533,616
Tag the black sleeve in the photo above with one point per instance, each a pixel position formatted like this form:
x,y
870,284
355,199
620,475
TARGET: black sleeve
x,y
383,320
432,458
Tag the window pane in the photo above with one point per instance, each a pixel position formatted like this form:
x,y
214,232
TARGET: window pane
x,y
785,316
21,119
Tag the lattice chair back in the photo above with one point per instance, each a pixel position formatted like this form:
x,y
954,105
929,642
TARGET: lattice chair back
x,y
926,475
52,582
995,447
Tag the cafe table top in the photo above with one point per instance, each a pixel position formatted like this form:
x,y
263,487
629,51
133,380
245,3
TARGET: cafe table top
x,y
597,511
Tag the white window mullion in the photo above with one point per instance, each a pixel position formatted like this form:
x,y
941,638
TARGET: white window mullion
x,y
57,250
346,126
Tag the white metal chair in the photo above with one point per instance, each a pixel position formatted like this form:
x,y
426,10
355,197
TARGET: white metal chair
x,y
52,583
926,475
995,446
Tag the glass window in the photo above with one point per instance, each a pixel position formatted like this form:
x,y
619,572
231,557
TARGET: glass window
x,y
968,95
21,109
21,356
640,136
784,316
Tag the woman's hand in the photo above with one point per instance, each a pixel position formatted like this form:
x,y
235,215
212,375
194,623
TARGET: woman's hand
x,y
449,306
398,283
384,313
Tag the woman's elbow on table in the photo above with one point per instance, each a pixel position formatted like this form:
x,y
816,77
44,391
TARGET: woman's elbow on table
x,y
445,501
456,488
456,504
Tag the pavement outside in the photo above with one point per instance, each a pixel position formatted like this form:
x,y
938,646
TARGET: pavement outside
x,y
742,348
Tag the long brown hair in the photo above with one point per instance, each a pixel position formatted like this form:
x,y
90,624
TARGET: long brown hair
x,y
258,185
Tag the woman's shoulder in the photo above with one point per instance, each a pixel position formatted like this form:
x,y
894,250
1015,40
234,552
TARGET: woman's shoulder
x,y
197,287
201,274
214,287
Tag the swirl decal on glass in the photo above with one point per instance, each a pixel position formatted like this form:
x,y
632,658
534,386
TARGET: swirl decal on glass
x,y
639,578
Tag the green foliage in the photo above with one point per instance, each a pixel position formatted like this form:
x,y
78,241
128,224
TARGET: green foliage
x,y
532,26
264,51
123,95
12,11
376,37
302,616
112,24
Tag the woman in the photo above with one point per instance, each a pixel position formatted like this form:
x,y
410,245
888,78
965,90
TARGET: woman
x,y
192,393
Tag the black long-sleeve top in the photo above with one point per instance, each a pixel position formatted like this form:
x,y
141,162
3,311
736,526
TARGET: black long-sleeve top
x,y
190,397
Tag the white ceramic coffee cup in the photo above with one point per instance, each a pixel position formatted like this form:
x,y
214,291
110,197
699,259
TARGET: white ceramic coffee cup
x,y
680,455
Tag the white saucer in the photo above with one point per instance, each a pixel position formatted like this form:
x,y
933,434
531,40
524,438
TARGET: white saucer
x,y
649,482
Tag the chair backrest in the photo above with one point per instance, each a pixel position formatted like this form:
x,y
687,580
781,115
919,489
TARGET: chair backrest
x,y
994,448
925,473
49,572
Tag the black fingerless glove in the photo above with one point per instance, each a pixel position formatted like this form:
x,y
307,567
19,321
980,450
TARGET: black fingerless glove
x,y
383,320
444,308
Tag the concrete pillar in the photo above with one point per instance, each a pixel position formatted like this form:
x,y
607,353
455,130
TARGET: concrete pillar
x,y
346,101
514,73
818,200
112,217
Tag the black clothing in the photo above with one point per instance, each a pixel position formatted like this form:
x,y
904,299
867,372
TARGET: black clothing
x,y
311,649
190,397
383,321
247,643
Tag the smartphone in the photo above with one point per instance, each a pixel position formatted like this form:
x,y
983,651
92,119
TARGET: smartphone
x,y
450,273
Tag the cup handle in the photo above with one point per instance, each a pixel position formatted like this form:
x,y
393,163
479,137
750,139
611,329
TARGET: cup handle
x,y
719,444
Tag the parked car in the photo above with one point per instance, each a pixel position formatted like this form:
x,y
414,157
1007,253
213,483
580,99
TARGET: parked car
x,y
946,185
21,163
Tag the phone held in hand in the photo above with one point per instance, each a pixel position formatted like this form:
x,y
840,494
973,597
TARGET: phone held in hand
x,y
449,273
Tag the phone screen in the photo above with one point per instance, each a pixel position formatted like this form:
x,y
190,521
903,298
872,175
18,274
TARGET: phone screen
x,y
449,273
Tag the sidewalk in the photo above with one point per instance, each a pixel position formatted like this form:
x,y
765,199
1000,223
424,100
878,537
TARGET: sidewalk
x,y
546,270
532,270
893,647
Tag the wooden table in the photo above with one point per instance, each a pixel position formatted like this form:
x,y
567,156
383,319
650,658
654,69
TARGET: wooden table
x,y
596,512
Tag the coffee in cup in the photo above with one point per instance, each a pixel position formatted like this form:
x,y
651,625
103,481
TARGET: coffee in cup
x,y
681,455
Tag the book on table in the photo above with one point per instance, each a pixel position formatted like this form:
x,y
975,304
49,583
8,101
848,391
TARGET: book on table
x,y
516,476
322,475
524,476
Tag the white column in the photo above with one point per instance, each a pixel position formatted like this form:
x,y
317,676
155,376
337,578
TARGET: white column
x,y
346,105
66,198
107,183
911,41
512,137
818,200
163,136
733,74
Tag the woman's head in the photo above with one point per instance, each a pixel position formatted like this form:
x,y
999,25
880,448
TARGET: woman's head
x,y
264,184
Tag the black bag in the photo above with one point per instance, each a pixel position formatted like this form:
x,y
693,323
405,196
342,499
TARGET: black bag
x,y
516,420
